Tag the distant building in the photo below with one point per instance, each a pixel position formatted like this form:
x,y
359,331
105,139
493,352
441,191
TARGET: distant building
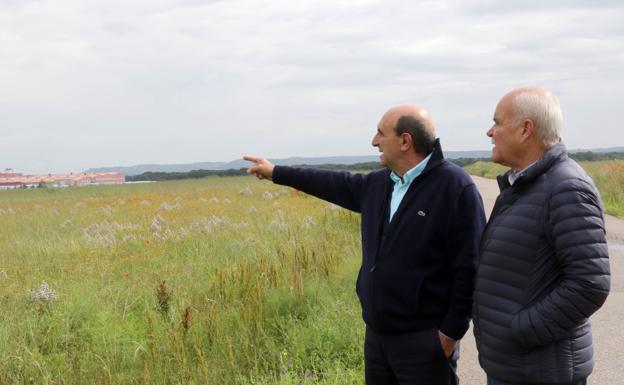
x,y
8,173
11,180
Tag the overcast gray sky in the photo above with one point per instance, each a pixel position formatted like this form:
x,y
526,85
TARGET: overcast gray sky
x,y
111,83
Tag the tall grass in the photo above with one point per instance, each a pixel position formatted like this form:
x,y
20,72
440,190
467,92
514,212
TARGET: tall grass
x,y
213,281
608,177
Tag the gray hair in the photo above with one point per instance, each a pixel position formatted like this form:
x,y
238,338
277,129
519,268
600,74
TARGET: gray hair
x,y
544,110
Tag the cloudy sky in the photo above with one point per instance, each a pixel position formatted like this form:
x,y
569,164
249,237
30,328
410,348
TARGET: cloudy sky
x,y
111,83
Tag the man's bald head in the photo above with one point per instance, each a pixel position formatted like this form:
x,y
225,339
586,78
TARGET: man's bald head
x,y
540,106
416,121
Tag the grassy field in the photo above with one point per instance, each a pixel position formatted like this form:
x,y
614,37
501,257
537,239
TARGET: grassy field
x,y
608,176
212,281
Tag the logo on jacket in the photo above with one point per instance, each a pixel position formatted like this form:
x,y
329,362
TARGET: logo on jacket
x,y
421,213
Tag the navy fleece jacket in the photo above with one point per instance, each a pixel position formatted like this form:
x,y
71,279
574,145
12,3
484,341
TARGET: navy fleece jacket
x,y
417,270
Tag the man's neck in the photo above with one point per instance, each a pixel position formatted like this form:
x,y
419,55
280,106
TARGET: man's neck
x,y
529,158
407,165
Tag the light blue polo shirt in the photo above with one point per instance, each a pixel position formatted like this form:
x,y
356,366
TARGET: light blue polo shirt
x,y
401,185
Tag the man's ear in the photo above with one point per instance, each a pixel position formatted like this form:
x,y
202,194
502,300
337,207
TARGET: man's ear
x,y
528,129
406,141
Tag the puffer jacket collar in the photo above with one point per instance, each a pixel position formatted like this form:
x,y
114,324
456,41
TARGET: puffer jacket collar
x,y
556,153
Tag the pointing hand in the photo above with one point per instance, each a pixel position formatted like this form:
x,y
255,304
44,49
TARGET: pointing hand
x,y
262,168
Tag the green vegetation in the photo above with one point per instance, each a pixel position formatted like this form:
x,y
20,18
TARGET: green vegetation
x,y
608,176
486,169
588,156
205,281
197,174
366,166
211,281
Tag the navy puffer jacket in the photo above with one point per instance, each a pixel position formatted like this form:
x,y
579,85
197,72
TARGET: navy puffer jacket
x,y
543,270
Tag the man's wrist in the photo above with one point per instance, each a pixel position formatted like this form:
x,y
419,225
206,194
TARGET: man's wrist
x,y
449,338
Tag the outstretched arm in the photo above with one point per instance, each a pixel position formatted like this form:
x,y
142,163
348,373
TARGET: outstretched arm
x,y
342,188
262,168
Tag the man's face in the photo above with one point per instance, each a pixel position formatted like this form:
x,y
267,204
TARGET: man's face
x,y
388,143
506,136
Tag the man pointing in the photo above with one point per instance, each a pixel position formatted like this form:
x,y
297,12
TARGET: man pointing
x,y
422,218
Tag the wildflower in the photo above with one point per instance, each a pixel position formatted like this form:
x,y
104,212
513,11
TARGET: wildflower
x,y
121,202
214,200
278,224
66,224
163,297
3,274
226,201
164,206
267,196
308,222
158,223
145,203
240,225
43,293
186,319
163,236
246,191
101,233
208,225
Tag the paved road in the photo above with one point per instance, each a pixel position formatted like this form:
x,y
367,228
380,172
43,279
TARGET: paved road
x,y
607,322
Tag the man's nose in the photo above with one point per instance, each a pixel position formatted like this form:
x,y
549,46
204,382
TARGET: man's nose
x,y
375,142
490,132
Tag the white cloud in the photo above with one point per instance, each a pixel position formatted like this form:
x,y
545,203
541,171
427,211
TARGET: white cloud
x,y
87,84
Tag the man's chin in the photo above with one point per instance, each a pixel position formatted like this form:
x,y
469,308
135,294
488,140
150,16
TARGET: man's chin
x,y
494,156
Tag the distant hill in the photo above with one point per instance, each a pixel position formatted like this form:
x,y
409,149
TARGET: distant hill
x,y
345,160
239,163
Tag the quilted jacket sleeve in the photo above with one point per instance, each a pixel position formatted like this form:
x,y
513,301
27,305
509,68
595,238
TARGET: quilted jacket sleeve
x,y
576,230
342,188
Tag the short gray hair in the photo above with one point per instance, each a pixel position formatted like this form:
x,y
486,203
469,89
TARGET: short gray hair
x,y
544,110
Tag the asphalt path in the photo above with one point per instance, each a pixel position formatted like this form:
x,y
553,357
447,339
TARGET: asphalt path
x,y
606,323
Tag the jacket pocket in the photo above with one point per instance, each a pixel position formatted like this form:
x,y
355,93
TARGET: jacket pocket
x,y
398,293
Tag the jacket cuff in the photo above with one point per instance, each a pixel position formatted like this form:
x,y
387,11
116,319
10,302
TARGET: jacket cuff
x,y
279,174
454,330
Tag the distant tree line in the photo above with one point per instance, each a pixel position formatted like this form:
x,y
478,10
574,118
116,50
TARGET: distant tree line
x,y
193,174
588,156
585,156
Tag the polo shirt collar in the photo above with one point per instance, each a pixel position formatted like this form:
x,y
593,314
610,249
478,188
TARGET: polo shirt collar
x,y
411,174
